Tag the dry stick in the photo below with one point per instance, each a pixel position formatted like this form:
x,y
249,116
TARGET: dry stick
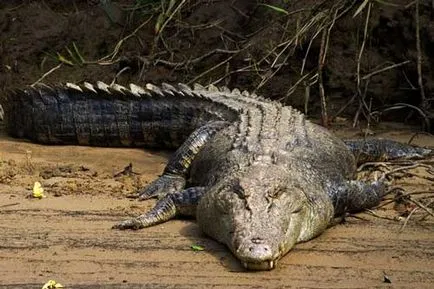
x,y
294,86
46,74
321,58
197,59
408,218
347,104
306,96
407,168
378,216
359,59
244,69
367,76
118,74
422,206
400,105
308,50
209,70
424,101
321,62
168,20
424,217
119,44
402,196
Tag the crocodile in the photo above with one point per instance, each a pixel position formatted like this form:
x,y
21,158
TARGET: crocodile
x,y
257,175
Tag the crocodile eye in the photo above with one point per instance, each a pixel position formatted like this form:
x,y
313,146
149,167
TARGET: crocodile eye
x,y
297,210
239,190
276,192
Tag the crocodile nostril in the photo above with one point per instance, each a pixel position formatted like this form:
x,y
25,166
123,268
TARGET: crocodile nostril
x,y
264,248
260,251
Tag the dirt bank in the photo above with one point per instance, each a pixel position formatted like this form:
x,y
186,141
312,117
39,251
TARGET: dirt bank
x,y
67,237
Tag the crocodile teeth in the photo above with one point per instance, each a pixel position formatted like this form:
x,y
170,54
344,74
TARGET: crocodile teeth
x,y
265,265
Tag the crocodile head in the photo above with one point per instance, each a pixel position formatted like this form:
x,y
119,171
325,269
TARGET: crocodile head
x,y
259,214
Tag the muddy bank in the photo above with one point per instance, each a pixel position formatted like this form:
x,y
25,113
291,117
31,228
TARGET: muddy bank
x,y
67,237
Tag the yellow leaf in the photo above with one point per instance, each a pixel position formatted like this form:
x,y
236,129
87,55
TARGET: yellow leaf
x,y
38,191
62,59
197,248
51,284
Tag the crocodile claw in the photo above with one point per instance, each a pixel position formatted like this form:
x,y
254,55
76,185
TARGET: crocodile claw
x,y
166,184
132,224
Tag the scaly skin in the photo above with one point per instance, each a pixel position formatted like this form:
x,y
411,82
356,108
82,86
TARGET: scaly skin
x,y
257,175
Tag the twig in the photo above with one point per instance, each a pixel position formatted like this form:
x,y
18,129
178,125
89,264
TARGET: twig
x,y
422,206
402,105
375,164
384,69
119,73
378,216
321,59
46,74
115,51
407,219
407,168
306,96
294,86
424,101
359,60
429,204
401,196
209,70
198,59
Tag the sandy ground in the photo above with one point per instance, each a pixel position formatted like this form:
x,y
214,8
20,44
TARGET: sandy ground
x,y
67,237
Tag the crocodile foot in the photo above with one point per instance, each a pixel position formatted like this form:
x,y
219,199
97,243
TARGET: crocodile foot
x,y
132,224
164,185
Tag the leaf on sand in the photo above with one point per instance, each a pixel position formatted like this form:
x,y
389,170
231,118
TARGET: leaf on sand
x,y
51,284
197,248
38,191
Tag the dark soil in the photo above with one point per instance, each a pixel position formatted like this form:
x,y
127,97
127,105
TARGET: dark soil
x,y
256,48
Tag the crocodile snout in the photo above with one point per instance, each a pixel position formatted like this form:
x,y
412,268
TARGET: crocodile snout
x,y
260,249
257,254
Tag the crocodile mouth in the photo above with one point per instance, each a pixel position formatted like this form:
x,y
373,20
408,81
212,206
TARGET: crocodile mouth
x,y
260,266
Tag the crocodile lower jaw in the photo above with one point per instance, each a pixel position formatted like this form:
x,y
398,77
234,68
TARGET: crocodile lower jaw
x,y
262,266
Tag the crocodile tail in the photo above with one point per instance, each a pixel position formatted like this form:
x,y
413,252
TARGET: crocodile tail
x,y
105,115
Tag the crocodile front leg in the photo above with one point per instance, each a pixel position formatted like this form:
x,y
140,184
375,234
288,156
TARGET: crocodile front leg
x,y
171,205
176,171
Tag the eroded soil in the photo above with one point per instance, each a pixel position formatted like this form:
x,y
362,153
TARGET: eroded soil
x,y
67,237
